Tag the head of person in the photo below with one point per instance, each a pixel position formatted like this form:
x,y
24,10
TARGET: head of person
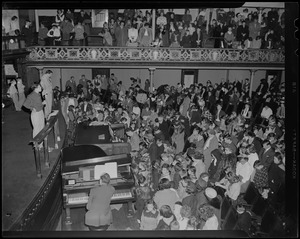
x,y
266,144
105,178
166,211
278,158
36,87
150,205
49,72
186,211
164,183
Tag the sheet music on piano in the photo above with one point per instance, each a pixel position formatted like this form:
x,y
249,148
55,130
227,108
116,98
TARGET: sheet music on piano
x,y
110,168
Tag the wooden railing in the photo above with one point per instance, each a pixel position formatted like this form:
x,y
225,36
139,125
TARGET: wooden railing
x,y
42,137
13,42
150,54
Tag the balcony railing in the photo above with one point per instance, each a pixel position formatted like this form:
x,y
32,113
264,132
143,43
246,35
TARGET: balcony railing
x,y
142,54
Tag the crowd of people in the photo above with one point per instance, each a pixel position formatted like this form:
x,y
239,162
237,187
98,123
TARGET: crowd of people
x,y
190,146
133,28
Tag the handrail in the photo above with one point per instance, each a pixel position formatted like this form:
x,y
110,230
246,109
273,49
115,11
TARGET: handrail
x,y
42,136
16,39
212,38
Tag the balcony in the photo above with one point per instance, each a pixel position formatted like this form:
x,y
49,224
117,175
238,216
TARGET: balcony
x,y
125,56
13,47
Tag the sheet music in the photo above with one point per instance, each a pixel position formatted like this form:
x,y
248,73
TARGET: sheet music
x,y
112,169
99,170
86,175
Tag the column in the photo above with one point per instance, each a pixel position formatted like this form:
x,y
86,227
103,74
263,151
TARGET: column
x,y
153,24
252,72
260,10
40,68
151,71
36,19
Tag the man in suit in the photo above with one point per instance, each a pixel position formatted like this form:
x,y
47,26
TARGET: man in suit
x,y
219,114
266,154
72,84
99,215
86,106
252,139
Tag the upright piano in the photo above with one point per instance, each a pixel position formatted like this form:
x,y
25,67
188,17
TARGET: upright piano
x,y
78,176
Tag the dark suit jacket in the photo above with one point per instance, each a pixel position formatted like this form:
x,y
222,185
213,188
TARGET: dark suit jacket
x,y
88,108
192,202
266,158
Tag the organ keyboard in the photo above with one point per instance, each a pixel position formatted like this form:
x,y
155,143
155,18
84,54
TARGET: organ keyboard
x,y
78,176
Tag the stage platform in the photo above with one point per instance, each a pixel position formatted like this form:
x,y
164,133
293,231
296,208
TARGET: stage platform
x,y
19,180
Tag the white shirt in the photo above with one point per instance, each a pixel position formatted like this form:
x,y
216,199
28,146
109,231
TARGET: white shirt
x,y
266,112
234,190
132,34
183,223
245,170
252,158
211,223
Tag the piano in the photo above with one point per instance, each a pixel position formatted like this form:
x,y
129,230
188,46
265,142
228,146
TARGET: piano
x,y
78,176
101,136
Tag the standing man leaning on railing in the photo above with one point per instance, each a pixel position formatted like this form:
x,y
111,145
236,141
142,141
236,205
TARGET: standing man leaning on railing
x,y
35,104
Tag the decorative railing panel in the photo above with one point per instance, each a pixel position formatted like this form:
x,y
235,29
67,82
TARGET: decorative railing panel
x,y
126,54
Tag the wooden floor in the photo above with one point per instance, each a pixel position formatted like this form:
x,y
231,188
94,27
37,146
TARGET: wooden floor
x,y
120,220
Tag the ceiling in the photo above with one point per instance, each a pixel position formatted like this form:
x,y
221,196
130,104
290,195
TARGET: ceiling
x,y
113,4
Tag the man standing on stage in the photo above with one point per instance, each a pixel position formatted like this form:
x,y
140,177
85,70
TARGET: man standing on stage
x,y
47,92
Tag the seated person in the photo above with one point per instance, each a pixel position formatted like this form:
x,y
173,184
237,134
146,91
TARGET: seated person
x,y
99,215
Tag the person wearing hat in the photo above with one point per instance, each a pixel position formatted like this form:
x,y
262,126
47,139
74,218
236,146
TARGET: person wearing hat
x,y
201,185
210,144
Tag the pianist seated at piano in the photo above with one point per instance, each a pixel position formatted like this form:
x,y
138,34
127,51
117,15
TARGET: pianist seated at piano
x,y
99,215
